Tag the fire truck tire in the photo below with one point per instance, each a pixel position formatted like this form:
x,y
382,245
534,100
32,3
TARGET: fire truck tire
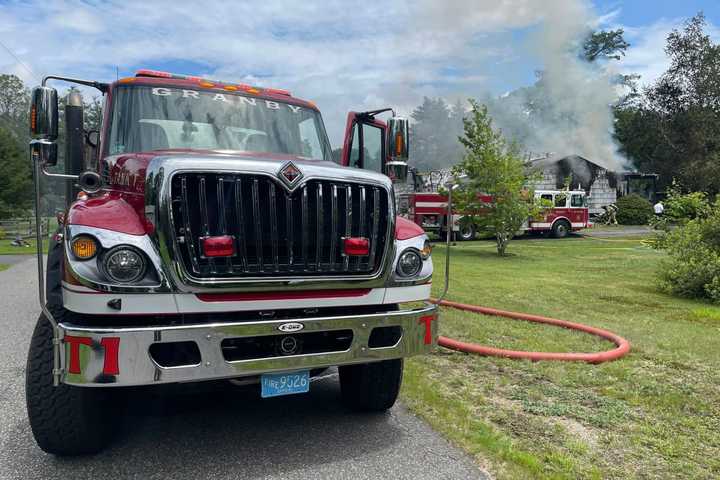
x,y
371,387
560,229
64,420
466,233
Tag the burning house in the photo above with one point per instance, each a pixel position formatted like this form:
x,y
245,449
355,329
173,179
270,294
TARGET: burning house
x,y
602,186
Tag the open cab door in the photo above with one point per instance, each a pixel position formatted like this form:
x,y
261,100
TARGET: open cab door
x,y
372,144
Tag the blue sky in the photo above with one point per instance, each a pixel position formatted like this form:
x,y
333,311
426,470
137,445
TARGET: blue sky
x,y
343,55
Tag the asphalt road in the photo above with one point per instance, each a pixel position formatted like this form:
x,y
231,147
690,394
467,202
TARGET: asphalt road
x,y
219,432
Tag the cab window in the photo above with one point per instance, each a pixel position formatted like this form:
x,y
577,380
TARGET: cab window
x,y
371,138
561,200
547,196
577,200
372,151
355,149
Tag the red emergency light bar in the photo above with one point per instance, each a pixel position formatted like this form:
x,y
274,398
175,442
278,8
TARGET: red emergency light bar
x,y
211,83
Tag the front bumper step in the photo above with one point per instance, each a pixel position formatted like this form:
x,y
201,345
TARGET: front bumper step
x,y
124,356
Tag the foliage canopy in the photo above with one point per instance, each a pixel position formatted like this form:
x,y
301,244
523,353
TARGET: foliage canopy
x,y
673,127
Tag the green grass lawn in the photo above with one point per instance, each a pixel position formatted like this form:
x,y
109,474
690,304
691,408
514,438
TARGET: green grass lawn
x,y
653,414
7,249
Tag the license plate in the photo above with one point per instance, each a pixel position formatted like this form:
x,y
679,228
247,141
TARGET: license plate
x,y
277,384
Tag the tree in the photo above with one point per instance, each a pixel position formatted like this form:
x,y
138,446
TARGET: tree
x,y
494,169
434,133
15,181
605,44
14,106
674,128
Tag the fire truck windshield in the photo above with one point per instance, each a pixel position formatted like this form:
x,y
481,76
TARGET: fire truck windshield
x,y
146,118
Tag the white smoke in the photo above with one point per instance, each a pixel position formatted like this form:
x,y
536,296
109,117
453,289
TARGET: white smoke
x,y
572,113
582,93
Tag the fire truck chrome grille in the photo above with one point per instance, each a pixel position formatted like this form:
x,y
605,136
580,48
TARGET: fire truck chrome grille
x,y
276,232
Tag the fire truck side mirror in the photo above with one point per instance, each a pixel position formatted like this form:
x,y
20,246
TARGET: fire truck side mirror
x,y
398,149
44,113
44,151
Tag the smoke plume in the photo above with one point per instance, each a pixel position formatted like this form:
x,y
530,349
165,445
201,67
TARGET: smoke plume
x,y
569,110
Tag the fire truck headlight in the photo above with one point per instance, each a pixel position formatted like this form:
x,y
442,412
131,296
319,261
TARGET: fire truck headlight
x,y
410,263
124,264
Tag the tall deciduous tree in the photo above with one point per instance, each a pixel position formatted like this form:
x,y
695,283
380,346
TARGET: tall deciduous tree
x,y
494,169
15,182
14,106
674,129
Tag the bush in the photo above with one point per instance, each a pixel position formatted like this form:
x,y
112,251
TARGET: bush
x,y
682,207
634,210
693,267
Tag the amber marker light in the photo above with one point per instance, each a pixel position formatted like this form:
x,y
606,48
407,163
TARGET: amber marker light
x,y
84,247
426,250
207,84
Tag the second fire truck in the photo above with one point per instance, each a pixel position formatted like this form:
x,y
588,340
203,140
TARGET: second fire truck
x,y
426,207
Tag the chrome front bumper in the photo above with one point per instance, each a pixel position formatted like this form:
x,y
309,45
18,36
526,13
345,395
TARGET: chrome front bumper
x,y
121,356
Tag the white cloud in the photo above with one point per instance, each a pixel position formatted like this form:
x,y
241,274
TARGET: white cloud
x,y
646,55
343,56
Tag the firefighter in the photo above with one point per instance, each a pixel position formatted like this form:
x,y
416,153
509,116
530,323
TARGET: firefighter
x,y
610,214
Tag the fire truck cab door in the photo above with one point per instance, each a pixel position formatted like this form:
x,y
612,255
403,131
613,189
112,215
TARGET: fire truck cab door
x,y
578,209
364,145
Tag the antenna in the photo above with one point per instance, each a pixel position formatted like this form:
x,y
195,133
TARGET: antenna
x,y
23,64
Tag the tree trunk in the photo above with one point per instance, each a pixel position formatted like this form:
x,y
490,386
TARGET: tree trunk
x,y
502,241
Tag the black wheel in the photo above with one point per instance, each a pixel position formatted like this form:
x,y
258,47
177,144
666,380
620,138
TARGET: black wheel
x,y
371,386
466,233
64,420
560,229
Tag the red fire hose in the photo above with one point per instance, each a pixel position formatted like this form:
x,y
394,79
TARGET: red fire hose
x,y
623,346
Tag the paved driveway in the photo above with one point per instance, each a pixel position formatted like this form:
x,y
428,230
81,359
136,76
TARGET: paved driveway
x,y
220,431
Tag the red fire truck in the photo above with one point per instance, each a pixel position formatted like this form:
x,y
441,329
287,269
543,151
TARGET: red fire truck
x,y
215,239
569,213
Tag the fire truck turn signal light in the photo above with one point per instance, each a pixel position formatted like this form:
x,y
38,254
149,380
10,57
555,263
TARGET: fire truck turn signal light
x,y
356,246
222,246
84,247
426,250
